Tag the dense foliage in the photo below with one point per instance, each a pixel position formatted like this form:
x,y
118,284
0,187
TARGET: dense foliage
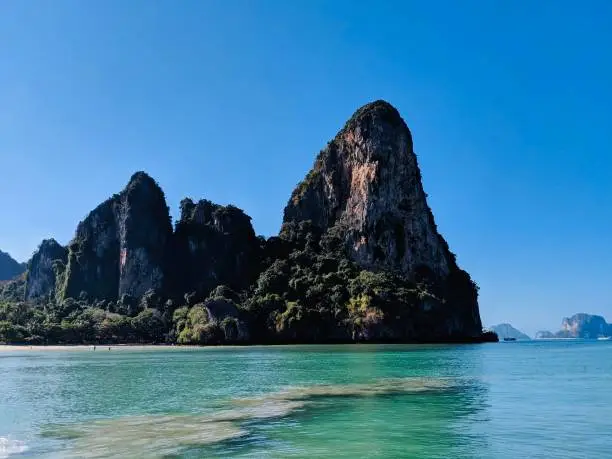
x,y
307,291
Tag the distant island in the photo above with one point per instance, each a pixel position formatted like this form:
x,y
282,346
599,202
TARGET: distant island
x,y
358,259
585,326
9,268
507,331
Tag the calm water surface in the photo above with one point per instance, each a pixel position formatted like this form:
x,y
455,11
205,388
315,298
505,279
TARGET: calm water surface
x,y
537,399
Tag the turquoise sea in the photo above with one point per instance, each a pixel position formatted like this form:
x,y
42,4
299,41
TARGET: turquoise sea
x,y
539,399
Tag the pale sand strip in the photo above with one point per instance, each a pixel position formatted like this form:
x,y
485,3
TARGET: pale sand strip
x,y
82,347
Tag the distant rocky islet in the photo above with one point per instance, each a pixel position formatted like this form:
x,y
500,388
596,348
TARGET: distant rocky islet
x,y
581,325
507,331
9,267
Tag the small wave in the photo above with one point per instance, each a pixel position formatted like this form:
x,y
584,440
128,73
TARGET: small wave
x,y
10,447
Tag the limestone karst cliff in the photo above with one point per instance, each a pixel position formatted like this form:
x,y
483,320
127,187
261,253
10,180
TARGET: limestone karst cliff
x,y
582,326
366,184
120,247
365,188
358,258
213,245
47,263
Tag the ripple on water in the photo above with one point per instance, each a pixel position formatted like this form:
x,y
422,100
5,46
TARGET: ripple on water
x,y
164,435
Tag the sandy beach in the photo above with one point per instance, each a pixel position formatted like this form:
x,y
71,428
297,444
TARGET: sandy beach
x,y
90,348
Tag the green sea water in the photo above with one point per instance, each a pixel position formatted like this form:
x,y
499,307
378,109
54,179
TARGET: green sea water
x,y
540,399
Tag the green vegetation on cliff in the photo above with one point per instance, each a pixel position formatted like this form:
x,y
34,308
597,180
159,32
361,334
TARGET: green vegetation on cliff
x,y
308,292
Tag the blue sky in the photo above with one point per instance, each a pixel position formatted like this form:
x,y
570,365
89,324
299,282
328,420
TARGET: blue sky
x,y
509,102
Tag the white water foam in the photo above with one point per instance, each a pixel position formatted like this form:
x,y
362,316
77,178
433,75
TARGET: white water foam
x,y
10,447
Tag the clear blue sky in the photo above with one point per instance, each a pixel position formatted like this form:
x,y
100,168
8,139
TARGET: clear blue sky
x,y
509,102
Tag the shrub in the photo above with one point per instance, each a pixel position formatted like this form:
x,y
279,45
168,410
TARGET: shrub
x,y
223,291
11,333
210,333
148,326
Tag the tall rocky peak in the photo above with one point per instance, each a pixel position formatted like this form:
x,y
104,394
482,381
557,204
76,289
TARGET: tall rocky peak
x,y
9,267
365,192
45,266
120,247
366,186
214,245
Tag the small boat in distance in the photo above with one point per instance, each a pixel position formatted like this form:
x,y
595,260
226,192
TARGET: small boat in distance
x,y
604,338
509,339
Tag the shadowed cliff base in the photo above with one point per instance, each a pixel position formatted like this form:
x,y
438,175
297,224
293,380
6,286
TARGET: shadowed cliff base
x,y
358,259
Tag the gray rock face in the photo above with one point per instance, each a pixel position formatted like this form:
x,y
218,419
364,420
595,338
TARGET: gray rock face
x,y
47,263
144,230
120,247
366,183
214,245
365,188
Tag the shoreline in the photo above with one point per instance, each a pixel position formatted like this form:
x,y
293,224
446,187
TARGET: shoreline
x,y
120,347
85,347
145,347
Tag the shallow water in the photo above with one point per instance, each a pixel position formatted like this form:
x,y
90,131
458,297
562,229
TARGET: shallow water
x,y
534,399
